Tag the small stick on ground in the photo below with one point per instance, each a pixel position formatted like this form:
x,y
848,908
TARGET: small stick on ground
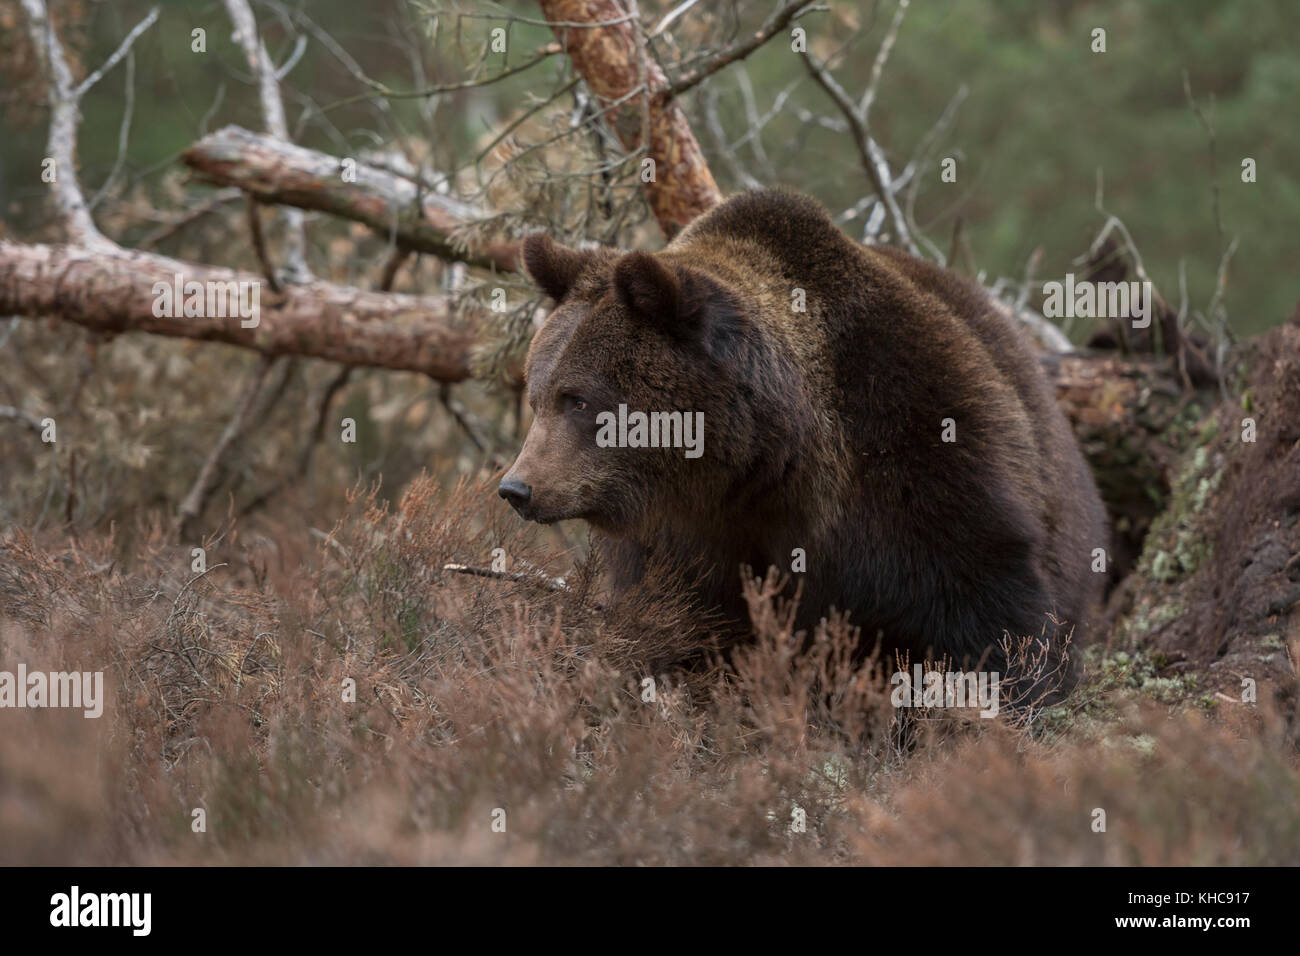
x,y
535,577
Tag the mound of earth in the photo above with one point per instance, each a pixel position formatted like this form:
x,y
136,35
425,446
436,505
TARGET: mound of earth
x,y
1216,588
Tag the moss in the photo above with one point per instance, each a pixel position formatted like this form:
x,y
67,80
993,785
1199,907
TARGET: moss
x,y
1207,432
833,777
1176,545
1164,567
1136,672
1144,744
1144,619
1164,614
1168,690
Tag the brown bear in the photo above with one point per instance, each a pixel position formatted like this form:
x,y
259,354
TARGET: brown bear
x,y
872,425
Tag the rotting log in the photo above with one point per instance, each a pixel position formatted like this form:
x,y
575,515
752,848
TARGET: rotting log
x,y
1130,416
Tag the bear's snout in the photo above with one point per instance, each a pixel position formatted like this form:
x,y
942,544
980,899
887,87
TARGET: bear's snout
x,y
517,493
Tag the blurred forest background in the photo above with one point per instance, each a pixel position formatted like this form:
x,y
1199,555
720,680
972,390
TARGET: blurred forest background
x,y
1041,116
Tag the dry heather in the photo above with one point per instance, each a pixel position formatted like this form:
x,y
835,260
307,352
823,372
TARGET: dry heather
x,y
225,692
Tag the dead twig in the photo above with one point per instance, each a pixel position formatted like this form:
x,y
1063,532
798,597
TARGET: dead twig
x,y
857,115
774,24
533,577
192,504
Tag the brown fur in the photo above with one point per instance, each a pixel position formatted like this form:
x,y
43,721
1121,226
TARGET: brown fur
x,y
822,430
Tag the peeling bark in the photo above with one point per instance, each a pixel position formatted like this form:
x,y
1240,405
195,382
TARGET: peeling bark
x,y
113,291
611,59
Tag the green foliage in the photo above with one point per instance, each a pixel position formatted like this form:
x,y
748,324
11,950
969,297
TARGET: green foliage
x,y
1045,113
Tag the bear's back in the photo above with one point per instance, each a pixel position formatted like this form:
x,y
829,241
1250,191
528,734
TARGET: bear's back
x,y
1072,511
994,522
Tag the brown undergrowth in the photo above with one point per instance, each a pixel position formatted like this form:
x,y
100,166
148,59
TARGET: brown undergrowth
x,y
481,700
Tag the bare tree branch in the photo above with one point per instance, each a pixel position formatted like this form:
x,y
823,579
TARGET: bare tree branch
x,y
122,50
65,117
535,577
778,21
378,89
672,15
191,505
123,134
268,88
872,156
277,172
921,159
878,65
259,245
178,221
22,417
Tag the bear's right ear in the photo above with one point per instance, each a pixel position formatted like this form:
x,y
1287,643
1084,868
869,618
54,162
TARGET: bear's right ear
x,y
677,300
649,290
553,267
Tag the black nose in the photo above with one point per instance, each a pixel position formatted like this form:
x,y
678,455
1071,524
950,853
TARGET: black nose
x,y
515,492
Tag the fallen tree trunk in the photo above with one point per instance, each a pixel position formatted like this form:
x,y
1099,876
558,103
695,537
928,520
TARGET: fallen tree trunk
x,y
274,171
113,290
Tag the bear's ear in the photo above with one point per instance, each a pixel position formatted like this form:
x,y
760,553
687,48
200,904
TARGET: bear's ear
x,y
552,266
683,302
650,290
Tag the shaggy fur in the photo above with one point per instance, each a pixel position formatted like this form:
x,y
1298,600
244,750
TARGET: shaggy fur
x,y
822,430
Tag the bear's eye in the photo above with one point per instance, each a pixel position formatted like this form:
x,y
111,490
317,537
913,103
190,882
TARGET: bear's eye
x,y
574,403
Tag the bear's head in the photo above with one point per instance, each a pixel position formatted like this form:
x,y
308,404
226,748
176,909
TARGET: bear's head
x,y
632,333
